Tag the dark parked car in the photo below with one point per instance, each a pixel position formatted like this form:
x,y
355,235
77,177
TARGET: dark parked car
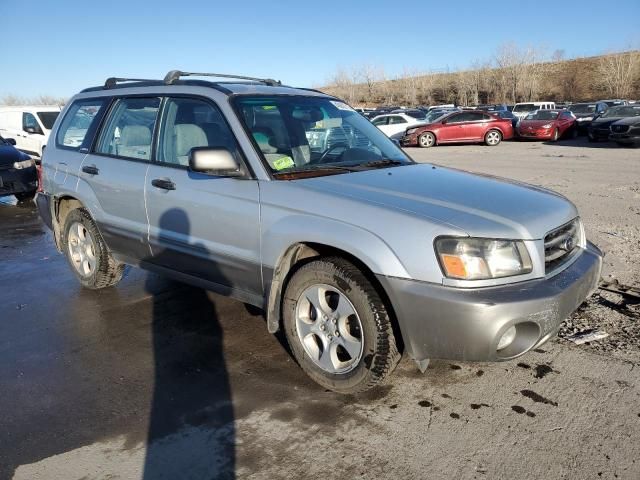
x,y
412,112
626,132
585,113
506,115
600,126
547,125
18,174
460,127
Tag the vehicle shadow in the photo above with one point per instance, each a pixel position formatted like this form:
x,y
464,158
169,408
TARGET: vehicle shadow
x,y
191,431
582,142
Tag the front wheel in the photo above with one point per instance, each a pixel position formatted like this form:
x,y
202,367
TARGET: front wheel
x,y
492,138
338,327
556,135
87,253
426,140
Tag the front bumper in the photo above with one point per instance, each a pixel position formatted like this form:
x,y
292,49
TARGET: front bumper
x,y
409,141
467,324
18,181
542,134
626,138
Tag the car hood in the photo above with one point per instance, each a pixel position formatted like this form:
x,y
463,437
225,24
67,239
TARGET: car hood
x,y
628,121
479,205
535,123
604,122
10,154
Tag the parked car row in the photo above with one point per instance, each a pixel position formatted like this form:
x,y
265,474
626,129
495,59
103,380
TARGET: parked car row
x,y
29,126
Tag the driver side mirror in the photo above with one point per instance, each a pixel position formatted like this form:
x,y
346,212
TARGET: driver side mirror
x,y
11,141
214,161
31,130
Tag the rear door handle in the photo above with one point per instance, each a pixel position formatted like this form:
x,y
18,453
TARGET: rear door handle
x,y
164,183
91,169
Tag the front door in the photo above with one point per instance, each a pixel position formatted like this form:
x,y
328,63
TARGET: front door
x,y
202,225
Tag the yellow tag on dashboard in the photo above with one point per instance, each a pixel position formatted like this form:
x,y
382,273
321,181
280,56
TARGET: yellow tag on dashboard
x,y
283,162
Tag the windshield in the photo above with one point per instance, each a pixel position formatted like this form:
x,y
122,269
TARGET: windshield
x,y
524,107
583,108
297,133
542,115
48,119
622,111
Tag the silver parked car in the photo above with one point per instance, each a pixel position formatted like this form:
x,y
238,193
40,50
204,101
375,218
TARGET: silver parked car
x,y
289,200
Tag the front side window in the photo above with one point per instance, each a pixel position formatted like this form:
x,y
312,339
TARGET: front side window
x,y
128,132
79,118
295,133
189,123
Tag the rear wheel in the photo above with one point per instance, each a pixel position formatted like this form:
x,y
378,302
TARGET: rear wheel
x,y
87,253
492,138
338,327
426,140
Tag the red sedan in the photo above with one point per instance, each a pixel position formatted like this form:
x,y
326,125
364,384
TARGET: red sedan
x,y
460,127
548,125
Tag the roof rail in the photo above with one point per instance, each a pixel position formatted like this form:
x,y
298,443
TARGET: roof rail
x,y
174,75
113,81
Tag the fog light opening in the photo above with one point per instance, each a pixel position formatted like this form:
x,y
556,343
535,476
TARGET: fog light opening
x,y
507,338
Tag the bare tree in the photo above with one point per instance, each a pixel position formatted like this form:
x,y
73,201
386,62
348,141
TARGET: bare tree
x,y
617,72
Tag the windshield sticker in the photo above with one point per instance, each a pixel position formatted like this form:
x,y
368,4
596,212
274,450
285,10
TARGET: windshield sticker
x,y
341,106
283,162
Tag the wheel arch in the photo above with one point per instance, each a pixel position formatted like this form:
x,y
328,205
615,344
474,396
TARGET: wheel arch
x,y
302,253
60,209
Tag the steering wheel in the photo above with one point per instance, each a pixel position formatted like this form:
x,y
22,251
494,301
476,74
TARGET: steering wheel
x,y
326,153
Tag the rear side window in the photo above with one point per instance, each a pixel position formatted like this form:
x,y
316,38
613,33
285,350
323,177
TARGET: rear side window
x,y
79,119
128,131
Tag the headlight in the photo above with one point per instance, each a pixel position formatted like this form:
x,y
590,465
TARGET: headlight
x,y
548,125
412,131
23,164
482,258
585,119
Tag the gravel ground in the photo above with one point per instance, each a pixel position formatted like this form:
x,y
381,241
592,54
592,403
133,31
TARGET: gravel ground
x,y
604,182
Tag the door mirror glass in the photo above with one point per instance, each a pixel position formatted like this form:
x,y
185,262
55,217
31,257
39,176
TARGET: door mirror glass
x,y
214,161
30,129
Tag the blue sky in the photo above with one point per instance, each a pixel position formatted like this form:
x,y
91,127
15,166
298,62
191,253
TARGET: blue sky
x,y
58,47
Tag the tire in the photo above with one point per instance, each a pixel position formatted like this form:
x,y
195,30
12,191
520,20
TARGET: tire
x,y
426,140
574,133
312,336
25,196
556,135
87,254
492,138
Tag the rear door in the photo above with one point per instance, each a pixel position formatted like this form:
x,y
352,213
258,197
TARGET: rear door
x,y
204,226
114,175
397,124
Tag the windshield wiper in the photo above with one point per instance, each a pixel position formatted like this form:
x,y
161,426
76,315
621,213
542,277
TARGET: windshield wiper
x,y
385,162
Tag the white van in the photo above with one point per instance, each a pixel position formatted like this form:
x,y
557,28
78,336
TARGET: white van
x,y
29,126
521,110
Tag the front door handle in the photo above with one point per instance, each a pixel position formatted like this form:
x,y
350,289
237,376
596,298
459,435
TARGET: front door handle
x,y
91,169
164,183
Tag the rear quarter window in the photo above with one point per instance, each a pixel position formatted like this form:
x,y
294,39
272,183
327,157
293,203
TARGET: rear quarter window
x,y
81,117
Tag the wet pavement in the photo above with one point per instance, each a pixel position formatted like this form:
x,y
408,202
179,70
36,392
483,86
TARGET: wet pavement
x,y
157,379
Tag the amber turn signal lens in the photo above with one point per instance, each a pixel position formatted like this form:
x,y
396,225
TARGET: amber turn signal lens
x,y
454,266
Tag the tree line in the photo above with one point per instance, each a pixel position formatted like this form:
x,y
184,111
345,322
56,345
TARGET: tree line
x,y
514,74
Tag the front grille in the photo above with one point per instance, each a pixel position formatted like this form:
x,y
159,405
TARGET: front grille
x,y
560,244
619,128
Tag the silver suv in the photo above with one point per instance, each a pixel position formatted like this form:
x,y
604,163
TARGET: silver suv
x,y
289,200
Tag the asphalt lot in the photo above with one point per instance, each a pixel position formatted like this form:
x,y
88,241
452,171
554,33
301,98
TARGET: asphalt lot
x,y
154,379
